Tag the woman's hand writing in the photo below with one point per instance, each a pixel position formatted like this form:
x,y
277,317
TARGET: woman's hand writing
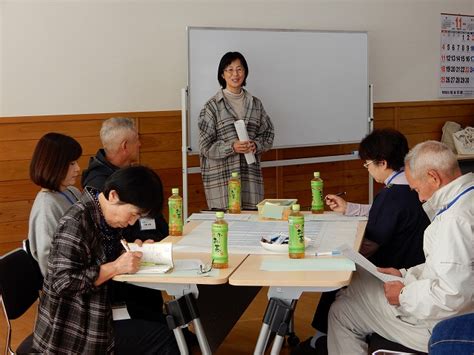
x,y
128,262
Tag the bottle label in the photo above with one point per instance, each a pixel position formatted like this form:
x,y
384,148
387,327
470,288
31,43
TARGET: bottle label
x,y
176,215
296,226
234,195
317,202
219,243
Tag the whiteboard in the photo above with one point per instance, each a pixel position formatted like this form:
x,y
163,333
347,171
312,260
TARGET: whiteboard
x,y
313,84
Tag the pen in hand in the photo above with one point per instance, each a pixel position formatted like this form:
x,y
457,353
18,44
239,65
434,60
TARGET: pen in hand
x,y
342,193
125,244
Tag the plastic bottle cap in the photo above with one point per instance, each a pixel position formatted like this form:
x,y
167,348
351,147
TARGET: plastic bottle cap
x,y
235,174
316,174
220,214
175,190
295,207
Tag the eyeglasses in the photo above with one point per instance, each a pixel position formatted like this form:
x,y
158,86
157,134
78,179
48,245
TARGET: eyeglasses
x,y
231,71
366,164
205,268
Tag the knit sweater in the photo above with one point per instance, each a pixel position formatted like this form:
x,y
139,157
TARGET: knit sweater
x,y
47,210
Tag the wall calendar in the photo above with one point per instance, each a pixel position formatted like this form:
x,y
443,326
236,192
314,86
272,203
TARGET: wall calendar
x,y
456,56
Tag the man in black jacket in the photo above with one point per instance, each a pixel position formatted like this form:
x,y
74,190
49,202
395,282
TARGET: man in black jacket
x,y
121,148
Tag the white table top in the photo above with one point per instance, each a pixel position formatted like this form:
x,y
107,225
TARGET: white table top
x,y
249,273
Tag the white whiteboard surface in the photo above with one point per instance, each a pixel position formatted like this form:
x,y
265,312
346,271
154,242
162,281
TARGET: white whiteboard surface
x,y
313,84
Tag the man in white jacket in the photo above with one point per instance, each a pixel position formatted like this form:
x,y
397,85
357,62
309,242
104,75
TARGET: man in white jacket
x,y
440,288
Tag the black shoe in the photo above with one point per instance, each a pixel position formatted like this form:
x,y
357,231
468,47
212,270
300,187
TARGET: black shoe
x,y
304,348
322,345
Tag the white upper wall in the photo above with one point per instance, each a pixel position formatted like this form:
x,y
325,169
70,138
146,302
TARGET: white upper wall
x,y
73,56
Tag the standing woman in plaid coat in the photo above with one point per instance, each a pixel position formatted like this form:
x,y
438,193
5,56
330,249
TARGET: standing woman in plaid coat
x,y
221,152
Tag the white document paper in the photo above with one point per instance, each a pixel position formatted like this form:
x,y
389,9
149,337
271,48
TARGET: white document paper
x,y
390,352
211,216
244,136
187,264
157,257
360,260
245,236
332,217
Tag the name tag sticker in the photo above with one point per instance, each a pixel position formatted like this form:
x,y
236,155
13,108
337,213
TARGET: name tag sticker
x,y
147,224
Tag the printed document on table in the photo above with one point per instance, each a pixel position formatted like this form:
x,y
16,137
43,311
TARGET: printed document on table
x,y
334,233
360,260
244,136
244,236
332,217
211,216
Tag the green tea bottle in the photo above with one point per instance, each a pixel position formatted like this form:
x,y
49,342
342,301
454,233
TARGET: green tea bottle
x,y
317,202
175,205
296,231
220,256
234,193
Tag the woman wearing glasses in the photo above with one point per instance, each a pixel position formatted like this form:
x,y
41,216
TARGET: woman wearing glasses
x,y
396,219
221,151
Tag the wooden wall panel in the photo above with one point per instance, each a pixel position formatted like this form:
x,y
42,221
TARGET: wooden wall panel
x,y
35,130
17,190
24,151
161,142
13,170
160,135
163,122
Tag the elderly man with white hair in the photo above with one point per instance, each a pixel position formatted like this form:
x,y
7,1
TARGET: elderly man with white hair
x,y
120,149
442,287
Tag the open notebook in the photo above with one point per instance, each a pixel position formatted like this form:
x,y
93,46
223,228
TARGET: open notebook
x,y
157,257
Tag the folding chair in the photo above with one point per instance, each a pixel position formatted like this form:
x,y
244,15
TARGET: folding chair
x,y
20,283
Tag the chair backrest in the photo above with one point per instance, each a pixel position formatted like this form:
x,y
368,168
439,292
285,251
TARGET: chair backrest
x,y
20,282
39,278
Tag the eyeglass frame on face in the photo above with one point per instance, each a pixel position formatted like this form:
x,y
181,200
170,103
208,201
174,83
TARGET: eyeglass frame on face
x,y
238,70
366,164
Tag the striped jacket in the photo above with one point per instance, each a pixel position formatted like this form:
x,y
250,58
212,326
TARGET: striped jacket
x,y
218,160
74,316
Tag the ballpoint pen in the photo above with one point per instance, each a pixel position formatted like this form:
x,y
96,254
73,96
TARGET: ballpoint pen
x,y
342,193
125,244
328,253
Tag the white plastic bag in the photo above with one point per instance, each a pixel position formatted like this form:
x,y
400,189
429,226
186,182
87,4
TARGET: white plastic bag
x,y
464,141
449,128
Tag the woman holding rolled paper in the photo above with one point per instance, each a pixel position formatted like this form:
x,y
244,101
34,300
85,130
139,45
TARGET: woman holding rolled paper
x,y
221,151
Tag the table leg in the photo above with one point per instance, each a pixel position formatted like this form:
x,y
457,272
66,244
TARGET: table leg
x,y
201,336
277,344
262,339
183,347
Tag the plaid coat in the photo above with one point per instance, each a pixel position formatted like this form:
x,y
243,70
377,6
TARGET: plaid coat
x,y
74,316
218,160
